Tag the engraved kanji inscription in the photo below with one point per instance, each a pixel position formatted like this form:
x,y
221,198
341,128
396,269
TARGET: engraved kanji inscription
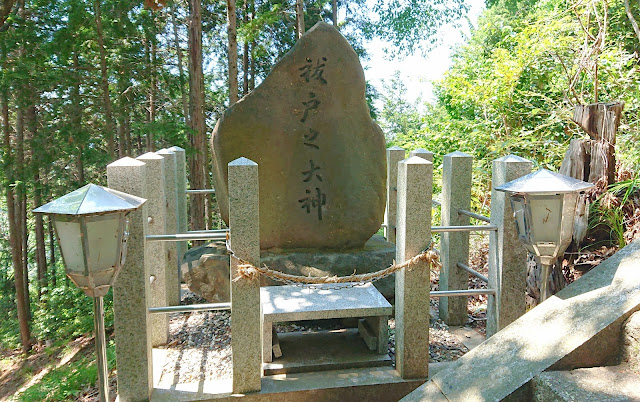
x,y
310,138
308,174
316,201
311,72
309,105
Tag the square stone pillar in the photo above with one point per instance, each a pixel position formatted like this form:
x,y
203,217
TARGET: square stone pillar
x,y
181,197
244,240
394,155
507,255
415,181
131,290
155,255
423,153
171,274
456,194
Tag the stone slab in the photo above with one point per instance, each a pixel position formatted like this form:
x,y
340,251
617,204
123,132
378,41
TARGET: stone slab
x,y
321,351
614,384
467,336
294,303
544,335
366,384
321,155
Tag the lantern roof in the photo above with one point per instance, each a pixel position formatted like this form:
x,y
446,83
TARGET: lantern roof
x,y
92,200
545,181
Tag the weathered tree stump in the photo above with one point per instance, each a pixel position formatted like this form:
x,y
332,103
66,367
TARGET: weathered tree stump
x,y
589,160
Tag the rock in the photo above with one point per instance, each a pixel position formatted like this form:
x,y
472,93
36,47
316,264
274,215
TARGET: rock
x,y
210,276
631,342
321,157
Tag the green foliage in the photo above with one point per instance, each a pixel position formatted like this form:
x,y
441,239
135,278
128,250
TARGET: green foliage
x,y
65,312
68,381
412,24
607,212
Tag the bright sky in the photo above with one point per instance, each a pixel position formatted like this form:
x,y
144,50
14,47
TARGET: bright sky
x,y
417,71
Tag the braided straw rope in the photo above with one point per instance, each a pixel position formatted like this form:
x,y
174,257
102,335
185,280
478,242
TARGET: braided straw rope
x,y
249,271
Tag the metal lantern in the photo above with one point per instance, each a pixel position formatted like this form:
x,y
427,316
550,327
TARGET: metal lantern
x,y
544,206
91,226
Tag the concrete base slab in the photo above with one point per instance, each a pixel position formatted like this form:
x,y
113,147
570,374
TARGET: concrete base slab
x,y
468,336
615,383
366,384
321,351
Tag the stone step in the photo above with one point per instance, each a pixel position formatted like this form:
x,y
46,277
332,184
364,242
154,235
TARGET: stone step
x,y
566,323
614,383
322,351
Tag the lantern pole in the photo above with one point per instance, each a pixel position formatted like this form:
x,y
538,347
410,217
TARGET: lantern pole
x,y
101,348
544,283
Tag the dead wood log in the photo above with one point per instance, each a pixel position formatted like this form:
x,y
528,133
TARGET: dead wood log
x,y
599,120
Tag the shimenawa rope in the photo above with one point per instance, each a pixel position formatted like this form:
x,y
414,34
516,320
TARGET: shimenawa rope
x,y
249,271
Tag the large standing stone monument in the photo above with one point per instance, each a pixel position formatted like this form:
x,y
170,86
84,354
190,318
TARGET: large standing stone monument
x,y
321,156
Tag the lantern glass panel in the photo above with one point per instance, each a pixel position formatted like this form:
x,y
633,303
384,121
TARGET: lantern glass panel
x,y
70,241
102,235
519,212
546,217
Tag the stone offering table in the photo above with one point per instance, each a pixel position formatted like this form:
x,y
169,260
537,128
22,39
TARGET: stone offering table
x,y
295,303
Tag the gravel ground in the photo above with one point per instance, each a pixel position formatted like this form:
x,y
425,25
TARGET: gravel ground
x,y
199,345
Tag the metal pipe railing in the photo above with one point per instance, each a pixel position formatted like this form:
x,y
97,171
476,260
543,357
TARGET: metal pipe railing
x,y
202,191
187,237
190,308
473,272
208,231
471,228
474,215
465,292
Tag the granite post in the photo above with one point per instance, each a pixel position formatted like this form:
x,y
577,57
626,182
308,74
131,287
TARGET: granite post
x,y
155,254
244,240
423,153
394,155
131,290
415,181
507,256
181,194
456,194
171,274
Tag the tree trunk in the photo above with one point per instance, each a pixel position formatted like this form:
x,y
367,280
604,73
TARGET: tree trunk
x,y
41,252
233,52
76,120
334,12
600,121
183,84
14,232
245,51
52,255
300,17
196,108
110,130
632,19
151,48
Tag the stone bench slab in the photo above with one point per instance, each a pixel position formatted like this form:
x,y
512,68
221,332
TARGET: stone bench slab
x,y
294,303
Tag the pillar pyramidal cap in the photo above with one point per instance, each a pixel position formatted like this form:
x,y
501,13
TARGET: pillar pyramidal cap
x,y
545,181
91,200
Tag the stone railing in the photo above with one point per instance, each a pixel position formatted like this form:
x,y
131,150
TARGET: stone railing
x,y
151,277
507,257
